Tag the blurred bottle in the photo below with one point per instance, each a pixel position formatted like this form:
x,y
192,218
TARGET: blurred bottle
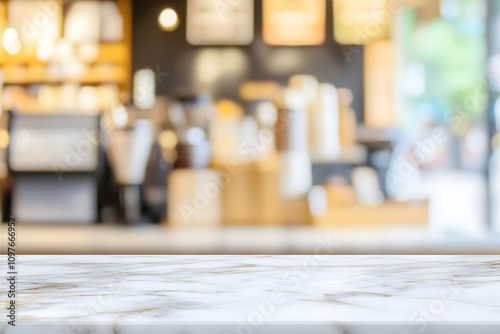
x,y
291,142
347,117
325,141
292,145
225,132
266,116
322,116
367,186
494,173
194,191
245,155
231,137
144,88
308,86
266,171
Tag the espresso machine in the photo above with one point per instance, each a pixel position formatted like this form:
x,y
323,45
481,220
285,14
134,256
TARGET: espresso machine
x,y
54,162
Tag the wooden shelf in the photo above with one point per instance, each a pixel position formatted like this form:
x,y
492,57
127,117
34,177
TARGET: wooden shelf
x,y
117,53
117,75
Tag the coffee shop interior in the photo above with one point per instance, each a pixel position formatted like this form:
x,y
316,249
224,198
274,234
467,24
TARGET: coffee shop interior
x,y
251,126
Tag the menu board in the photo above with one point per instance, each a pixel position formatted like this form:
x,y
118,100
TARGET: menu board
x,y
220,22
361,21
294,22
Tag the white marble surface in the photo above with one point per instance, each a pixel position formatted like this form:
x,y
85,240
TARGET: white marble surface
x,y
251,294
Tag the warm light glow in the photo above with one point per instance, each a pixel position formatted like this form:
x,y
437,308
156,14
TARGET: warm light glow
x,y
88,51
229,109
318,201
45,49
299,22
168,19
63,51
120,116
167,140
11,42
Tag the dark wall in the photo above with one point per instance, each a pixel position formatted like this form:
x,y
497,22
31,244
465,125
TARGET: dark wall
x,y
170,52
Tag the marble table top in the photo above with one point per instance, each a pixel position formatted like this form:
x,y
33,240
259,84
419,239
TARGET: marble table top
x,y
255,294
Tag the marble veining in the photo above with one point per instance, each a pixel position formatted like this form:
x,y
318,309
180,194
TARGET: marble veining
x,y
116,293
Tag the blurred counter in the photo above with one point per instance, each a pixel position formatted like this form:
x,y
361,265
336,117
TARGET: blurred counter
x,y
154,239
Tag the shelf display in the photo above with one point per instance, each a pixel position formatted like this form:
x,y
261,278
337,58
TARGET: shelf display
x,y
60,98
51,50
347,118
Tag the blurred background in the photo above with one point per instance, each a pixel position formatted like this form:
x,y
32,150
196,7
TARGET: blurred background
x,y
251,126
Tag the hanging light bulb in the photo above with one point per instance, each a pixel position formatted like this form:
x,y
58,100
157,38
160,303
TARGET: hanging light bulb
x,y
168,19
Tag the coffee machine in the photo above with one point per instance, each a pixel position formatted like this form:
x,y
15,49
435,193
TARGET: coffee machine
x,y
54,161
